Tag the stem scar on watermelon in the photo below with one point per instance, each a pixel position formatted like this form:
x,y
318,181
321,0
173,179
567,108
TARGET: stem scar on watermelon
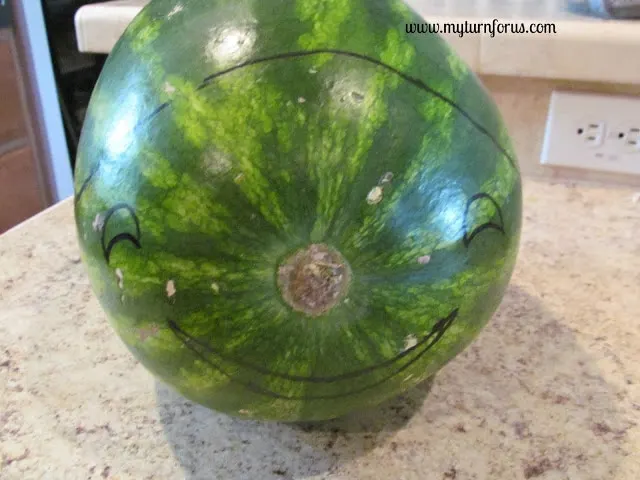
x,y
314,280
305,229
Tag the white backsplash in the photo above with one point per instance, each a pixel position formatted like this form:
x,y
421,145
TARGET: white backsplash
x,y
555,9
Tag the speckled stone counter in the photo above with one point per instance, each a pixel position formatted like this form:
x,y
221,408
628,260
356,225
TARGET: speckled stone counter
x,y
550,389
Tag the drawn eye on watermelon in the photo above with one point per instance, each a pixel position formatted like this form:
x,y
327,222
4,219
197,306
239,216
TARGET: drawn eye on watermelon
x,y
307,230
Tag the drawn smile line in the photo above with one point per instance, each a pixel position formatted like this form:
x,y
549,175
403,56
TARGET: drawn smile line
x,y
306,53
427,343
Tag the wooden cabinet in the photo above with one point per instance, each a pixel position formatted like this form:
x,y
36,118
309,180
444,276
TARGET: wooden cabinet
x,y
19,192
12,117
21,195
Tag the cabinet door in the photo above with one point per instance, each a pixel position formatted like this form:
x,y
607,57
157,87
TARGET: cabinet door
x,y
19,192
12,118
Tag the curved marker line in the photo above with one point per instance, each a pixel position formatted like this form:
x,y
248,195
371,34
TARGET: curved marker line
x,y
468,237
85,184
106,249
298,54
435,335
485,226
298,378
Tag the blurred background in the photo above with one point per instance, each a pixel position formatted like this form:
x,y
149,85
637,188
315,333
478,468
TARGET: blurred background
x,y
52,51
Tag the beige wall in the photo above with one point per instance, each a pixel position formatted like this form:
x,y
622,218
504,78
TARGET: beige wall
x,y
524,103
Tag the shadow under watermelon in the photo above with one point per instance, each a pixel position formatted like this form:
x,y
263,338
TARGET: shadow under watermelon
x,y
210,444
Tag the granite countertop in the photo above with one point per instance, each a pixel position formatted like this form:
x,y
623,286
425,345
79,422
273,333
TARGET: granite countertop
x,y
550,389
584,47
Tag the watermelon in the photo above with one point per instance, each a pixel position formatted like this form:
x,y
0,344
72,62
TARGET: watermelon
x,y
292,209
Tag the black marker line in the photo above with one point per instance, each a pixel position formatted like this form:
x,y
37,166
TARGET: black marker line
x,y
135,240
312,379
85,184
412,80
437,332
468,237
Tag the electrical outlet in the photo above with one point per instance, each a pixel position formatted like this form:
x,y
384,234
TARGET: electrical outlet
x,y
593,132
632,139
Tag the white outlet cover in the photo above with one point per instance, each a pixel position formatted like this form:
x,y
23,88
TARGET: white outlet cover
x,y
593,132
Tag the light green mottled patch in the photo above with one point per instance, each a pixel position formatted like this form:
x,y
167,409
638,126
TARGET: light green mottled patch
x,y
397,53
506,176
247,317
435,112
241,108
151,218
412,305
336,169
418,243
143,30
189,108
188,207
503,181
480,212
326,172
142,274
157,170
402,9
471,284
326,18
458,68
200,378
215,163
184,208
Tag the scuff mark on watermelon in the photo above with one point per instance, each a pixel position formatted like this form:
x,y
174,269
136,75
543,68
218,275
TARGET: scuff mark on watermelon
x,y
357,97
98,223
375,196
410,341
168,88
120,277
423,260
215,287
177,9
148,332
171,288
230,45
216,163
386,178
301,99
